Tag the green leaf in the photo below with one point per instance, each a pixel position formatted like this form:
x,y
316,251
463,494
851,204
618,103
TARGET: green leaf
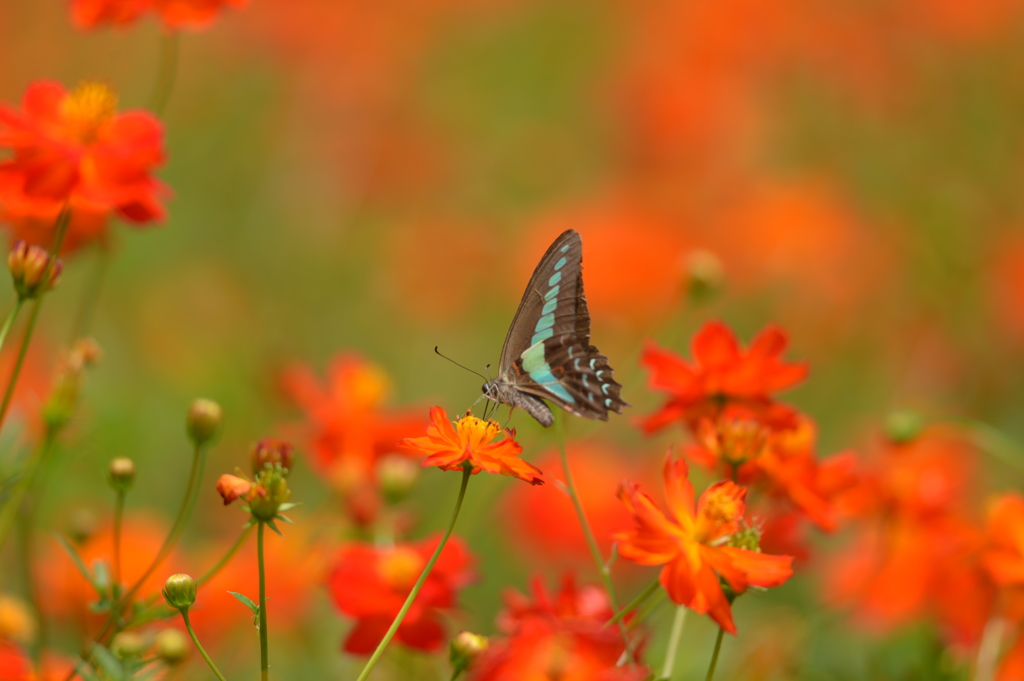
x,y
109,664
285,518
289,505
271,525
246,601
79,563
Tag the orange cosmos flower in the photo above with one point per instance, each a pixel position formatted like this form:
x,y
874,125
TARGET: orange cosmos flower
x,y
470,440
561,636
1004,552
72,147
195,14
371,585
348,427
231,487
722,374
697,546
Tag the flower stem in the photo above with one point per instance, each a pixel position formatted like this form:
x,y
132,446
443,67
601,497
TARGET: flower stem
x,y
673,641
264,652
635,603
195,639
714,655
61,228
32,468
595,551
212,572
118,517
167,72
466,471
91,294
10,320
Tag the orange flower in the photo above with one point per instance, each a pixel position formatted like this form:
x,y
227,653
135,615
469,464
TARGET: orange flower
x,y
232,487
915,553
195,14
348,427
74,146
698,546
561,636
721,375
1004,554
14,663
371,584
471,440
89,224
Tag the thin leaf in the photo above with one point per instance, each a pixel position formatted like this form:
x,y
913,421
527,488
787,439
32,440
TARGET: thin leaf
x,y
271,525
79,563
108,663
246,601
289,505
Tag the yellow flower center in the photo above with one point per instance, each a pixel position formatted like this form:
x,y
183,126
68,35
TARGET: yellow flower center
x,y
87,108
401,568
721,506
734,440
475,433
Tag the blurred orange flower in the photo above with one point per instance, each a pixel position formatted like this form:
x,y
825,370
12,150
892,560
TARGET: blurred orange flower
x,y
371,584
348,428
693,543
916,552
1004,552
559,636
723,375
781,461
14,664
88,224
194,14
470,440
72,147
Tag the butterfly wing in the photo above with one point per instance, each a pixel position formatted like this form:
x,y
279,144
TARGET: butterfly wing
x,y
547,351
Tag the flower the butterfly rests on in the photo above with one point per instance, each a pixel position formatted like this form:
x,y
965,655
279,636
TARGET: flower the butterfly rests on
x,y
547,352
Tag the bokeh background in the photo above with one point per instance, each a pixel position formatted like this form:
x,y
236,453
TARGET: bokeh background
x,y
381,177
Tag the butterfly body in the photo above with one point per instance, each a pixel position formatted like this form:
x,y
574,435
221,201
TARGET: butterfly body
x,y
547,353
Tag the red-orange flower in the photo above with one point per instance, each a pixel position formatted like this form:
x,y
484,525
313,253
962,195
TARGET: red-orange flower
x,y
694,543
232,487
470,440
1004,553
72,147
723,374
371,584
193,14
559,636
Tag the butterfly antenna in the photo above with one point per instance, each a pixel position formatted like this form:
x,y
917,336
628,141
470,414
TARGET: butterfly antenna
x,y
460,365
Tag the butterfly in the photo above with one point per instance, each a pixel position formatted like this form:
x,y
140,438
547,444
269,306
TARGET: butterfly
x,y
547,353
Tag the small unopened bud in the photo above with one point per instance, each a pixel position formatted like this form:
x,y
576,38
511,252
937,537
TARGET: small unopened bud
x,y
122,474
704,274
902,427
33,270
396,476
465,648
231,487
60,406
128,645
171,646
82,525
269,452
265,498
180,591
204,419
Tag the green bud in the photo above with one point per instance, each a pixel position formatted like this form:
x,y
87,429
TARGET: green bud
x,y
267,495
171,646
465,648
128,644
204,420
121,474
33,270
396,476
902,427
180,591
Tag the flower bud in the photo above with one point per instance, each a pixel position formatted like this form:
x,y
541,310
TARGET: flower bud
x,y
33,270
232,487
271,490
171,646
60,406
180,591
82,525
204,419
121,474
269,452
128,644
396,476
704,275
902,427
465,648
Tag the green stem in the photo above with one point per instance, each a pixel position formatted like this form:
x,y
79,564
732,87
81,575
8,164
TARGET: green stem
x,y
63,219
595,550
467,469
10,320
26,522
118,517
167,71
32,468
195,639
225,558
635,603
714,655
264,652
91,295
673,642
